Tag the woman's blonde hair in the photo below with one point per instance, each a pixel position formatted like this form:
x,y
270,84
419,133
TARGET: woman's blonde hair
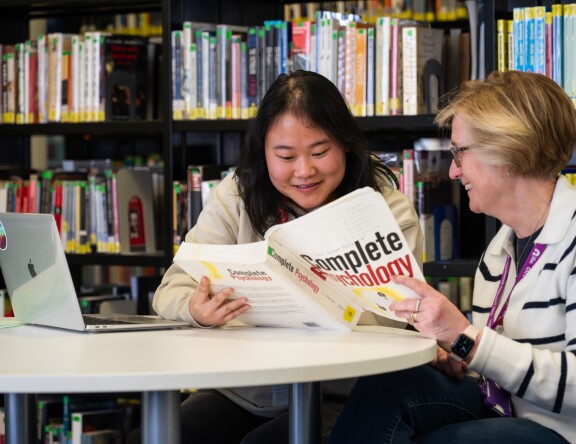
x,y
522,121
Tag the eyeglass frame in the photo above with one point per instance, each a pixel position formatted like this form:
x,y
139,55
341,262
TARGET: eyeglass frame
x,y
456,150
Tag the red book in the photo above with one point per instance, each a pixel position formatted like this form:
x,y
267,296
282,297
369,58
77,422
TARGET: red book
x,y
58,204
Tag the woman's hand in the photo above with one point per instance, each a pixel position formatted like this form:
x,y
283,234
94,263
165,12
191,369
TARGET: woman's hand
x,y
449,366
434,316
215,310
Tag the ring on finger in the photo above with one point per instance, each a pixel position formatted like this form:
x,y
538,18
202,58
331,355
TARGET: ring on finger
x,y
414,315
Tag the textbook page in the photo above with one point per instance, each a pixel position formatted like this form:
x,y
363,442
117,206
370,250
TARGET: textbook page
x,y
355,245
262,275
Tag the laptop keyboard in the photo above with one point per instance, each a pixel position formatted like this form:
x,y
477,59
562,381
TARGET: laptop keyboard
x,y
88,320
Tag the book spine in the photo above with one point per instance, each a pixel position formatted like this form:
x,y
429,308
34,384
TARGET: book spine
x,y
301,45
200,114
511,55
87,111
187,71
99,57
548,46
350,63
408,173
236,71
530,39
557,43
370,63
9,79
177,66
54,77
21,90
410,70
501,45
222,44
519,54
253,63
212,79
540,40
360,72
41,79
382,68
395,67
244,109
192,82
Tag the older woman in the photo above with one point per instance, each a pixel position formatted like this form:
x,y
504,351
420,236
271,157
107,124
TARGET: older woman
x,y
511,375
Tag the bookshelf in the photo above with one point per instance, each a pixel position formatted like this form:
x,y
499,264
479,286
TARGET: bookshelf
x,y
172,137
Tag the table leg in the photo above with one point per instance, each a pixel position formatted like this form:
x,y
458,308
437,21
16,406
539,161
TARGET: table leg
x,y
161,417
20,418
304,413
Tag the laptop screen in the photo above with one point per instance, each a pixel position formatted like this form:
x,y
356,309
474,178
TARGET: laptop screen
x,y
36,272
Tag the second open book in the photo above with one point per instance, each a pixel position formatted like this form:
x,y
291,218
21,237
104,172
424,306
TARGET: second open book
x,y
321,270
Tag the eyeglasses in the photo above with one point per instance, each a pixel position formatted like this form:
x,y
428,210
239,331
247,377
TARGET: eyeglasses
x,y
455,150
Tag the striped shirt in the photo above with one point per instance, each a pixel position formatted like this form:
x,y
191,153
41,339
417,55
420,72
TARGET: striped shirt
x,y
535,358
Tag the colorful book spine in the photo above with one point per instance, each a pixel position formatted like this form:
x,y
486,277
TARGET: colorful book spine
x,y
549,32
370,64
519,54
530,39
557,44
382,68
511,56
540,39
502,45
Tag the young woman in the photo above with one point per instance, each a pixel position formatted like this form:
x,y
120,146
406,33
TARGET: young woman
x,y
303,149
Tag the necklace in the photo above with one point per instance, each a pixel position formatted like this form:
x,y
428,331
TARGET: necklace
x,y
519,257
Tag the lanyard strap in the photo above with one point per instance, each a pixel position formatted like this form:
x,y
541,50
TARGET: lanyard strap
x,y
534,255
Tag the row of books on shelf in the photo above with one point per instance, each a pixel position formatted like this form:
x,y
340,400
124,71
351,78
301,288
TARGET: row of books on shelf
x,y
391,67
110,211
440,10
106,212
95,76
543,40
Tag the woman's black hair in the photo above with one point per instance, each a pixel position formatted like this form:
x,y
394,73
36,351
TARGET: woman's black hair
x,y
318,102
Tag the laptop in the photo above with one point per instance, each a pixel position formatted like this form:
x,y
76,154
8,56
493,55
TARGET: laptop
x,y
40,285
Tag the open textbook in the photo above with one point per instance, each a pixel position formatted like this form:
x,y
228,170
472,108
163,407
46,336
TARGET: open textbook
x,y
321,270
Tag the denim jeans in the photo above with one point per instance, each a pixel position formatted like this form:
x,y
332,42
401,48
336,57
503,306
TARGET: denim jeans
x,y
423,405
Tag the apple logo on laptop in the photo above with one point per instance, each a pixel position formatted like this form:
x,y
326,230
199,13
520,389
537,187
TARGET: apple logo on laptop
x,y
31,268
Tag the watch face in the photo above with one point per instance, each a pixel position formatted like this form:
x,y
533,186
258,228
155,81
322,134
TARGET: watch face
x,y
462,346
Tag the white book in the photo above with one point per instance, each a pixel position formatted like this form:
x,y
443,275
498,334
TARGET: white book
x,y
88,101
187,42
78,65
42,79
98,72
382,69
321,270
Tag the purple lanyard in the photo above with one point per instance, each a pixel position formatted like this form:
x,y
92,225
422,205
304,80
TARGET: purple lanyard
x,y
534,255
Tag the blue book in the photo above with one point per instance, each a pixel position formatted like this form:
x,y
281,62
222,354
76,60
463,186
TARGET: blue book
x,y
518,19
253,78
557,43
540,40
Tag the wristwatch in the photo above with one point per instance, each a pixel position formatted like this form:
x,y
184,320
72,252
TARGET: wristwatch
x,y
464,343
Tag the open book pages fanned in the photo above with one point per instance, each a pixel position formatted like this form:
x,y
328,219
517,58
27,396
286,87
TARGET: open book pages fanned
x,y
321,270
